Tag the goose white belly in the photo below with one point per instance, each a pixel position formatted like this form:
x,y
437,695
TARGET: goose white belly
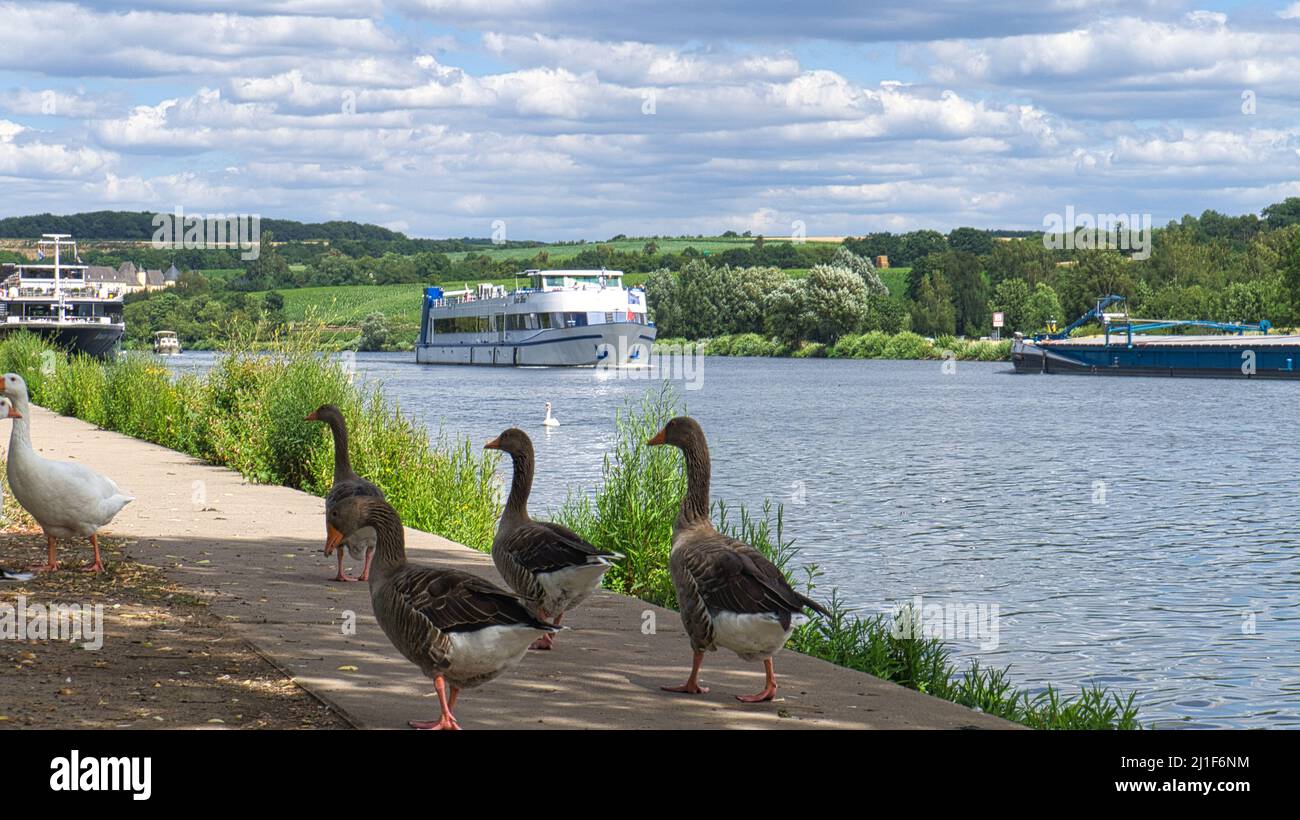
x,y
752,636
480,655
565,588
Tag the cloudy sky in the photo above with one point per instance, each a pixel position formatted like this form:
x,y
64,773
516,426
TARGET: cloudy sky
x,y
586,118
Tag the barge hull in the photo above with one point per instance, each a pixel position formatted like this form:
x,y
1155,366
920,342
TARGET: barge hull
x,y
1254,357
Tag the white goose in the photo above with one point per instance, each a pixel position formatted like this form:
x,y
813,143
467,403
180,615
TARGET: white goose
x,y
550,421
7,412
67,500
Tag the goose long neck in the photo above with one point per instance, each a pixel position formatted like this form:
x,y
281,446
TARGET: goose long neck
x,y
521,484
695,504
342,464
21,435
390,537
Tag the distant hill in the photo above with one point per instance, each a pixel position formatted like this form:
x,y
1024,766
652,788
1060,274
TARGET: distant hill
x,y
138,226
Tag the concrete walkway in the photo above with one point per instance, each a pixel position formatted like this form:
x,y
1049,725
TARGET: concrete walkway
x,y
259,549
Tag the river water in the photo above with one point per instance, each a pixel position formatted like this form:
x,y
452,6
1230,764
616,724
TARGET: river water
x,y
1136,533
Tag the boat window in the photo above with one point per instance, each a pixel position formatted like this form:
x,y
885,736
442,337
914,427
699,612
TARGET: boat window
x,y
461,324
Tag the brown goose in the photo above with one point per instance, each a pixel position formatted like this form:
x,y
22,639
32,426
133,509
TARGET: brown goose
x,y
549,565
461,630
729,594
346,485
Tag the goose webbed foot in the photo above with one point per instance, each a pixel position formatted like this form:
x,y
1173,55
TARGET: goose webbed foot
x,y
50,567
692,685
548,640
446,722
769,691
97,566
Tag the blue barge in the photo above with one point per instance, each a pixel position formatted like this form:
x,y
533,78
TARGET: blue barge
x,y
1240,351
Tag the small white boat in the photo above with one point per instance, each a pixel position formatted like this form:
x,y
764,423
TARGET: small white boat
x,y
569,318
165,343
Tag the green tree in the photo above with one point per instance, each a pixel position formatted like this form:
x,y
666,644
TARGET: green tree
x,y
845,258
932,311
1041,306
375,333
971,240
1010,297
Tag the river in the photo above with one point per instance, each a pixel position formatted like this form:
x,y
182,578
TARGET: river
x,y
1136,533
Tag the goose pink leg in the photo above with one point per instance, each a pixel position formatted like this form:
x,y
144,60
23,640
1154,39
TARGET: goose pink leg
x,y
692,685
52,564
98,566
446,722
365,570
769,691
341,576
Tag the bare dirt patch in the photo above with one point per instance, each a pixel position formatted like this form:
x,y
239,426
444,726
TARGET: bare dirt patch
x,y
167,661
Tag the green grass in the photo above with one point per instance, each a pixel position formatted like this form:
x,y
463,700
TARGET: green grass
x,y
248,413
633,510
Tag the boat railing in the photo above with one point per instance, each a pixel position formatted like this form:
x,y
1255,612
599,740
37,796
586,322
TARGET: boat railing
x,y
56,320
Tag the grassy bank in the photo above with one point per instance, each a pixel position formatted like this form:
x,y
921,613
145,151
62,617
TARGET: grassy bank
x,y
633,512
247,414
875,345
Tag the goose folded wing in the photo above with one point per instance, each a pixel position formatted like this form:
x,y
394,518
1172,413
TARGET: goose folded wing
x,y
546,547
734,577
455,601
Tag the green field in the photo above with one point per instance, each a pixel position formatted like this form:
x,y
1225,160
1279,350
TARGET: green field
x,y
558,253
350,304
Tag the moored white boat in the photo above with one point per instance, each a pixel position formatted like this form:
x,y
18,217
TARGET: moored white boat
x,y
568,318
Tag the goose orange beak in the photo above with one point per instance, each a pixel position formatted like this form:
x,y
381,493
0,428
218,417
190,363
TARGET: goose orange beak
x,y
334,540
660,438
494,444
311,416
13,412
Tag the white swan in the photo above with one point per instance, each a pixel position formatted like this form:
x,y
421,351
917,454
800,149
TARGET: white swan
x,y
67,500
550,421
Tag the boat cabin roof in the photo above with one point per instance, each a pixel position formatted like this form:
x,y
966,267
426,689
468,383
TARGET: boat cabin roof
x,y
580,275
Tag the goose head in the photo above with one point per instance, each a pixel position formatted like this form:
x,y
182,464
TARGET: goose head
x,y
7,409
513,441
16,389
682,432
326,413
348,516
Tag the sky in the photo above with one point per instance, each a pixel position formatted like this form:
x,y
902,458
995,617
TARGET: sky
x,y
568,119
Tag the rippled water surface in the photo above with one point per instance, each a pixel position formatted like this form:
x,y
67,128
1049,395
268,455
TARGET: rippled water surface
x,y
1137,533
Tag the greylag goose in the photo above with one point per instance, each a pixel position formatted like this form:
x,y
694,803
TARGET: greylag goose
x,y
729,594
547,564
461,630
67,500
346,485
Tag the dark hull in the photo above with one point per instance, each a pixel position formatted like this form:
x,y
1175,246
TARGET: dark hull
x,y
100,341
1223,361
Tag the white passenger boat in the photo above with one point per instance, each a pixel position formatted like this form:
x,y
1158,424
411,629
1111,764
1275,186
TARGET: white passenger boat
x,y
569,318
60,302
